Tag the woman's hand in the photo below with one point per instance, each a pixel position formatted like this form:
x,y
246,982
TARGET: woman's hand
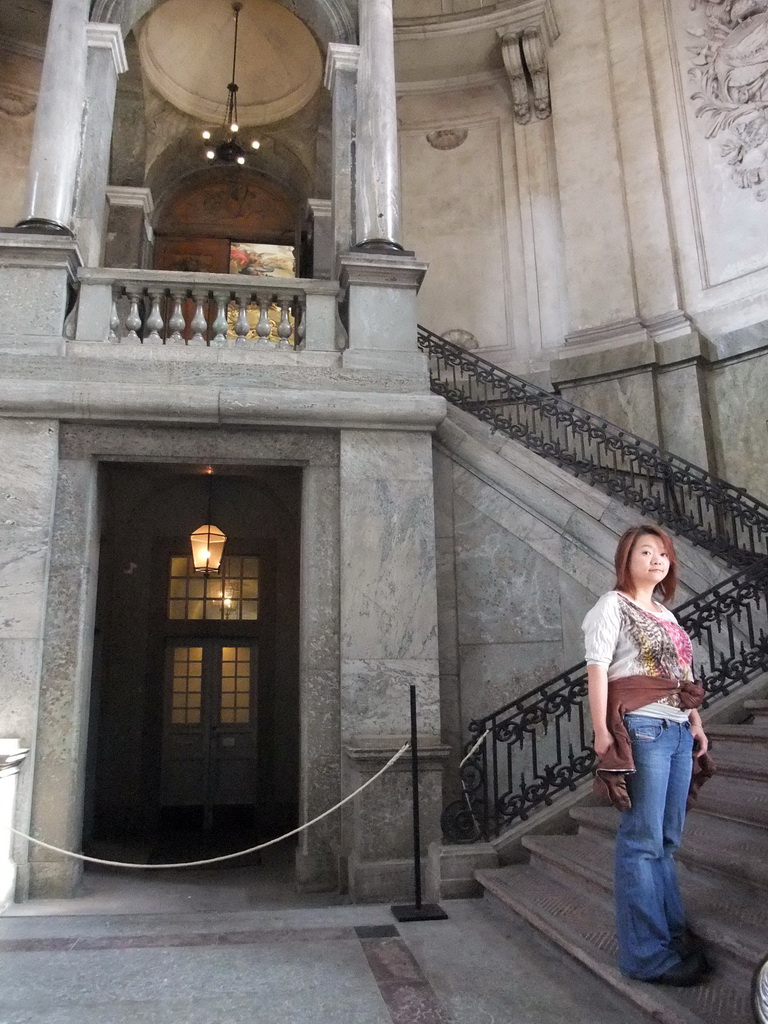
x,y
700,741
603,742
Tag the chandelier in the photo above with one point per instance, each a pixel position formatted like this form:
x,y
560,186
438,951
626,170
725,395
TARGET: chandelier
x,y
228,150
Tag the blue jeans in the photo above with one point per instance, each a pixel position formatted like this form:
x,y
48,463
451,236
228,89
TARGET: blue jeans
x,y
649,911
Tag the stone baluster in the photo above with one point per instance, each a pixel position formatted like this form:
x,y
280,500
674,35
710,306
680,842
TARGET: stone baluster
x,y
377,171
264,326
241,324
220,323
198,323
300,306
284,329
176,321
56,141
114,324
154,325
133,321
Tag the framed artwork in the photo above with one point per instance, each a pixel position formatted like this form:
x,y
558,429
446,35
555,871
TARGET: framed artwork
x,y
256,259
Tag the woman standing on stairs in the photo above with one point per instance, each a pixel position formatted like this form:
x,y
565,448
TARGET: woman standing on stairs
x,y
642,698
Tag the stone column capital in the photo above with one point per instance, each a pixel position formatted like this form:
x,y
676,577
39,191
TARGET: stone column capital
x,y
107,36
341,57
320,207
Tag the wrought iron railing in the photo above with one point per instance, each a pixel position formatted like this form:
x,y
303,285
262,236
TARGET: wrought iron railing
x,y
680,496
539,745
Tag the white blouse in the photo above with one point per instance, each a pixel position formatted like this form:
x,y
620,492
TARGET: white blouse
x,y
628,640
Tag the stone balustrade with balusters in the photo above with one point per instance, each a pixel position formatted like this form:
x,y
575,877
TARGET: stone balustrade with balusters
x,y
217,311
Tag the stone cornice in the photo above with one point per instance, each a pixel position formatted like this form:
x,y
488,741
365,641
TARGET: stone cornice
x,y
130,195
519,13
95,401
387,271
478,80
341,57
106,36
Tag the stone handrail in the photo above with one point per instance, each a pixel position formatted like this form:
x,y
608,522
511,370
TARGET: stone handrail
x,y
171,308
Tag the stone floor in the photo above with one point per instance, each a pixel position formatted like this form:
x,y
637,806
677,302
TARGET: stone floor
x,y
238,946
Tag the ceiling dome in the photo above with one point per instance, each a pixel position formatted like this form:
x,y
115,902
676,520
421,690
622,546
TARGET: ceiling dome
x,y
186,53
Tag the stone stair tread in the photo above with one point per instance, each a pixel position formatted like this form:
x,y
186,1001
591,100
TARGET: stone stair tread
x,y
582,924
708,842
726,913
744,731
744,800
756,705
744,767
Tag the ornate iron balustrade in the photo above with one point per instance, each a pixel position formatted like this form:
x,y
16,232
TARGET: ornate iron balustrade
x,y
539,744
680,496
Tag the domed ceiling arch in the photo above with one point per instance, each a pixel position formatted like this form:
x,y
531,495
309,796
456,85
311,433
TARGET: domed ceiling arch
x,y
186,55
330,21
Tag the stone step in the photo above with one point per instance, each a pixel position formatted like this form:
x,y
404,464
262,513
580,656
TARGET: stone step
x,y
727,914
739,799
732,753
745,732
759,708
581,923
736,849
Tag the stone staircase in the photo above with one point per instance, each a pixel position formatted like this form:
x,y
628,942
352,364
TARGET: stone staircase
x,y
565,889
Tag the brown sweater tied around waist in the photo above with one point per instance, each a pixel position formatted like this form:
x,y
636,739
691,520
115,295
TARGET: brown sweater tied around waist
x,y
625,695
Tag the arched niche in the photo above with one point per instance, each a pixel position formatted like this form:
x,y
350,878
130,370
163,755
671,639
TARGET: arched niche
x,y
196,223
330,21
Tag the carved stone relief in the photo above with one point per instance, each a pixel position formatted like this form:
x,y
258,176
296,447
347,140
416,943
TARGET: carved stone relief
x,y
730,74
447,138
17,103
525,40
465,339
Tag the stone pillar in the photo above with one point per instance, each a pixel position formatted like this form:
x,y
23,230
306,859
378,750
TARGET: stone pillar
x,y
56,812
55,156
381,312
106,60
388,640
377,165
129,229
28,466
38,274
341,79
320,213
318,848
11,756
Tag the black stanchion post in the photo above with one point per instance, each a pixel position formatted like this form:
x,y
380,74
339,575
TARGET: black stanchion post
x,y
417,911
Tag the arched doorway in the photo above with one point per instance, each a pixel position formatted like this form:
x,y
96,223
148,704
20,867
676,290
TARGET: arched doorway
x,y
199,225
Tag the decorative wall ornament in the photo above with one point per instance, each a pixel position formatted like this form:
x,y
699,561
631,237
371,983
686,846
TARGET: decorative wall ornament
x,y
525,40
465,339
17,102
730,73
447,138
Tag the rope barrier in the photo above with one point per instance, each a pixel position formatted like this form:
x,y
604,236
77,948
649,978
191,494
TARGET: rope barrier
x,y
226,856
474,748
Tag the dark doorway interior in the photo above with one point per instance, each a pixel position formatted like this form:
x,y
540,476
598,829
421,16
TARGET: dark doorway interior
x,y
193,747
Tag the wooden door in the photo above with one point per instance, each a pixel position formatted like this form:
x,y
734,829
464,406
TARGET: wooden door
x,y
209,724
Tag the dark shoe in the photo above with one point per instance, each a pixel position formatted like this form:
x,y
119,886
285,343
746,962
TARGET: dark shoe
x,y
690,971
690,944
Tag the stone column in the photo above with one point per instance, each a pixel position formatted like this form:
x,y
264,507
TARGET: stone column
x,y
106,60
129,228
341,79
377,165
11,756
55,156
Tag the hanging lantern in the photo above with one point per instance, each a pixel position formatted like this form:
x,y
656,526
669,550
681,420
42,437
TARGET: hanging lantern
x,y
207,548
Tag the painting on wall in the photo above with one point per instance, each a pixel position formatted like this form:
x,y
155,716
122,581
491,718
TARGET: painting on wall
x,y
256,259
